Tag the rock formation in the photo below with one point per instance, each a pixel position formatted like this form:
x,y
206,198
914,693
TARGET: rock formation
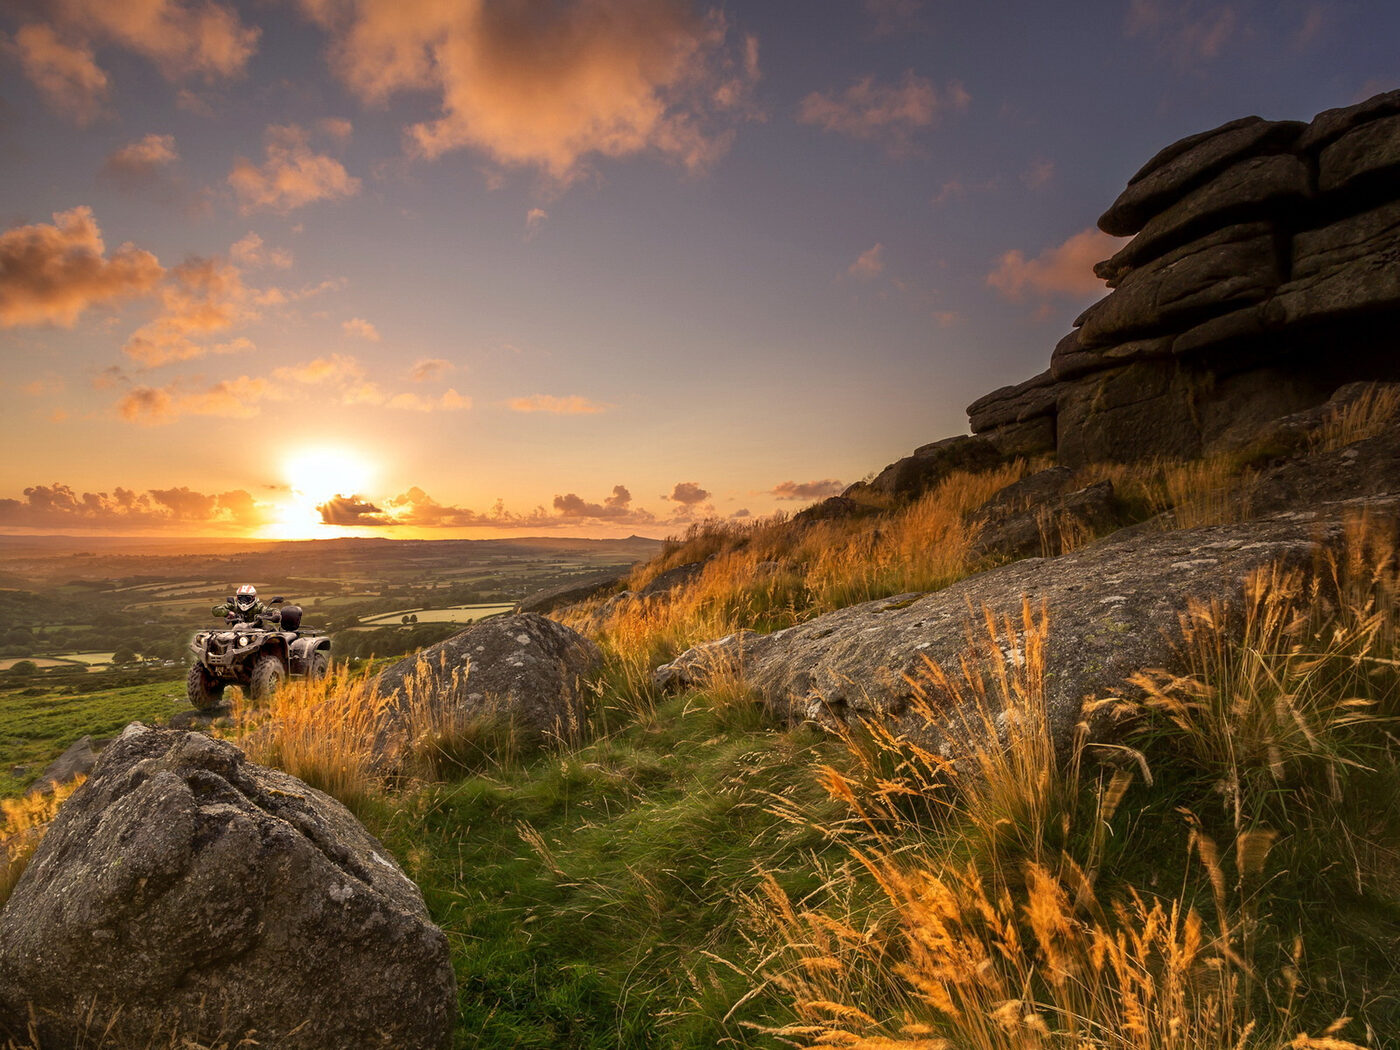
x,y
1259,248
525,666
207,898
1113,609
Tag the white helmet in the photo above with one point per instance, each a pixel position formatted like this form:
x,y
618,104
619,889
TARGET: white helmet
x,y
246,597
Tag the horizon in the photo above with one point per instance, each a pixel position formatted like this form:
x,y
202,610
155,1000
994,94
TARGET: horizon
x,y
587,271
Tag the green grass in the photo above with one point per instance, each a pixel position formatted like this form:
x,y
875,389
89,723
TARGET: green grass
x,y
596,899
34,730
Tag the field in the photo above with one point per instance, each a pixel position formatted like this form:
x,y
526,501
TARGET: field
x,y
456,614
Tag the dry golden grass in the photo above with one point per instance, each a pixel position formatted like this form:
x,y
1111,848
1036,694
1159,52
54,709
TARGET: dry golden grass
x,y
1374,412
25,821
1208,491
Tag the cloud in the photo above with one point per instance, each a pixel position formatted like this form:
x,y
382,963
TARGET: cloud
x,y
250,250
546,86
334,368
807,490
1064,271
427,369
891,114
449,401
292,176
1187,31
618,505
573,405
1038,174
352,510
202,38
230,398
67,75
337,128
534,218
60,506
358,326
892,16
869,265
142,159
687,493
199,298
51,274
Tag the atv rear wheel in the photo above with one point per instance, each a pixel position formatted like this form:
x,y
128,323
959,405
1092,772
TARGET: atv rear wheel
x,y
204,690
268,675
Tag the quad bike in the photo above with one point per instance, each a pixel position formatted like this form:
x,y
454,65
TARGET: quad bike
x,y
259,656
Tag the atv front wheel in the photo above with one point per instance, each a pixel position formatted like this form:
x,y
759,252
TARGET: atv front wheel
x,y
204,690
267,677
319,665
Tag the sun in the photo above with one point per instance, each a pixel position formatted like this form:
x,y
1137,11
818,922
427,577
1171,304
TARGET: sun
x,y
315,476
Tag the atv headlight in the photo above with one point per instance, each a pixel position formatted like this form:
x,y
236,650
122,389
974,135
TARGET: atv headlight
x,y
243,640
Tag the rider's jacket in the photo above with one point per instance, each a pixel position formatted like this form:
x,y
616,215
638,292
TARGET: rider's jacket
x,y
252,616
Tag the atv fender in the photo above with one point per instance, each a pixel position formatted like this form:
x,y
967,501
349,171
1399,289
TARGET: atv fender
x,y
302,649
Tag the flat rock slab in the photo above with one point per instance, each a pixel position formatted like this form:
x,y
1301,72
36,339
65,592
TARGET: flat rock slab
x,y
1113,610
207,895
526,666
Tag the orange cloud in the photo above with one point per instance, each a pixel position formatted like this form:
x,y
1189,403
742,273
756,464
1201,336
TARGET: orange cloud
x,y
688,493
869,265
352,510
449,401
1065,271
231,398
60,506
887,113
67,75
548,85
143,158
202,297
292,175
573,405
204,38
249,250
534,218
322,369
358,326
428,369
51,274
1041,171
807,490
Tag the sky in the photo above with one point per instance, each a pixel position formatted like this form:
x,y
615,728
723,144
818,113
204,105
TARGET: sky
x,y
476,268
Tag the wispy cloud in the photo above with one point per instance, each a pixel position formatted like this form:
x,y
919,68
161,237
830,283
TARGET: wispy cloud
x,y
200,298
890,114
1064,271
230,398
143,158
249,250
292,175
1187,31
66,74
50,274
427,369
573,405
869,264
359,327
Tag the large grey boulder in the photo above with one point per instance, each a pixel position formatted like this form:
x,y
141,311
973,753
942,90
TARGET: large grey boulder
x,y
1013,404
525,667
912,476
1113,609
183,889
1349,267
1366,153
1184,165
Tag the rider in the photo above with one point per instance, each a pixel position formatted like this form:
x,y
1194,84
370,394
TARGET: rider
x,y
243,607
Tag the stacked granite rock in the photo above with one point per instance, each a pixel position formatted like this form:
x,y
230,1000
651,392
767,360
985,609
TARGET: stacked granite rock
x,y
1263,274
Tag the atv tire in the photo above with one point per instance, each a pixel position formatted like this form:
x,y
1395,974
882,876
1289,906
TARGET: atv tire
x,y
319,666
268,675
204,690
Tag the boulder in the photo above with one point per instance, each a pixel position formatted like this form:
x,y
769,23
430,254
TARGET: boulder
x,y
1191,162
185,890
1361,157
525,666
1021,495
1013,404
669,580
914,475
1113,609
76,761
572,593
1349,267
1103,417
1222,270
1047,525
833,508
1331,124
1070,361
1252,189
1033,437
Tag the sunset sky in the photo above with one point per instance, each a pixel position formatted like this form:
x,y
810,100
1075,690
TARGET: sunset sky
x,y
314,268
